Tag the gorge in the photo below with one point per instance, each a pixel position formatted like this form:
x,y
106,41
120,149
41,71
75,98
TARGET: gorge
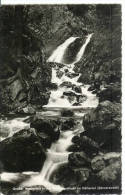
x,y
60,125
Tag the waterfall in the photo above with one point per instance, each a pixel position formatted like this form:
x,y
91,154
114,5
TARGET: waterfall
x,y
58,155
57,98
57,55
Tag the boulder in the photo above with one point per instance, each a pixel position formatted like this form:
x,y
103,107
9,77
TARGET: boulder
x,y
22,152
69,93
79,159
103,125
53,86
46,127
97,163
67,113
82,175
68,124
101,161
72,75
59,74
28,110
77,89
110,174
66,84
111,93
86,144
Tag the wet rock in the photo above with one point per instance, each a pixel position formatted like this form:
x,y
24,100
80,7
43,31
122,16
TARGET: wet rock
x,y
28,110
111,93
97,163
79,159
68,124
59,73
81,98
77,89
67,113
22,152
71,75
15,88
66,84
110,174
74,148
67,177
69,93
76,104
46,127
53,86
103,125
101,161
82,175
86,144
63,176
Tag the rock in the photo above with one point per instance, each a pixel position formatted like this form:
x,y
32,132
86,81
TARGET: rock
x,y
82,175
68,124
53,86
22,152
98,163
74,148
79,159
101,161
15,88
66,84
69,93
110,174
47,127
72,75
63,176
59,74
77,89
76,104
28,110
81,98
111,93
103,125
67,113
86,144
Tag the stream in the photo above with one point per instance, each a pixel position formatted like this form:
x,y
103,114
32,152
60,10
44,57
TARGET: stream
x,y
70,94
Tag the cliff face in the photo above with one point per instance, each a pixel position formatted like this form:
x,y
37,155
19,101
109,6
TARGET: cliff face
x,y
29,34
102,58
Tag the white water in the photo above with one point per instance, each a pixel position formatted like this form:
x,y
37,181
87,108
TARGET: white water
x,y
9,127
56,99
57,55
58,155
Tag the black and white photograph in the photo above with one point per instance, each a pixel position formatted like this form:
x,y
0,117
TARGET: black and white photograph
x,y
60,99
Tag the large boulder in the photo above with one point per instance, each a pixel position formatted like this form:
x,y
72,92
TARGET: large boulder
x,y
101,161
47,127
103,125
68,124
111,93
22,152
110,174
79,159
86,144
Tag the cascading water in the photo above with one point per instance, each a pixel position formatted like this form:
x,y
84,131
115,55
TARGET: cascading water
x,y
64,97
58,154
